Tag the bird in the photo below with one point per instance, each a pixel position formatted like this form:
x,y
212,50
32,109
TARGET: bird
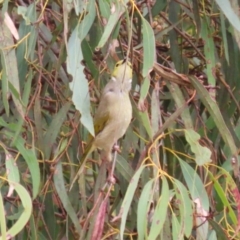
x,y
113,115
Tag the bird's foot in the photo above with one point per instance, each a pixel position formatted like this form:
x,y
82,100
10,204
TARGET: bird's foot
x,y
111,179
116,148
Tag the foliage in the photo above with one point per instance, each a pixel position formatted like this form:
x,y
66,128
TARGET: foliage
x,y
177,171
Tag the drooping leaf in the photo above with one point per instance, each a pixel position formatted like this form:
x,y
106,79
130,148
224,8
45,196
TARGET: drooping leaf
x,y
26,203
186,209
116,12
209,50
79,84
11,167
128,199
62,193
160,212
213,109
10,70
202,154
149,53
29,156
195,184
54,128
143,208
225,6
87,22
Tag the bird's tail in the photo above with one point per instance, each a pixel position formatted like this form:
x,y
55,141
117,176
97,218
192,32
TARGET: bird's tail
x,y
90,147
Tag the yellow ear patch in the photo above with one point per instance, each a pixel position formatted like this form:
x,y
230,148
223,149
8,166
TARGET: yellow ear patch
x,y
121,62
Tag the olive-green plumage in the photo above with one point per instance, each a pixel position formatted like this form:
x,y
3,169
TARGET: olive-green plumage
x,y
113,115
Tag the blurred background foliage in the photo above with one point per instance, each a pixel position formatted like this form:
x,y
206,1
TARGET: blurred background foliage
x,y
177,170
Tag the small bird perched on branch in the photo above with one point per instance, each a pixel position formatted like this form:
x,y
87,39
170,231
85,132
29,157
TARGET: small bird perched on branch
x,y
113,115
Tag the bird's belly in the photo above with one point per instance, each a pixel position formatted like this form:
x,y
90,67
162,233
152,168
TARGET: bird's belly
x,y
116,126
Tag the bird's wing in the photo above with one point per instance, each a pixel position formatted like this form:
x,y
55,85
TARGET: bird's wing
x,y
100,123
102,114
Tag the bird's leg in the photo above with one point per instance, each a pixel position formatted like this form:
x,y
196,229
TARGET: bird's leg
x,y
111,177
110,160
106,158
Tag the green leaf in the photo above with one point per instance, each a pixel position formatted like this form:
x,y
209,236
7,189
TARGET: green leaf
x,y
149,50
22,10
199,197
195,184
202,154
116,12
122,165
144,89
160,212
213,109
224,37
26,214
79,84
227,9
144,117
3,225
178,97
155,110
10,70
79,6
143,209
223,197
104,7
158,7
128,198
29,14
209,50
87,22
15,93
176,228
11,167
62,193
32,228
175,50
54,128
31,160
196,15
221,234
185,207
5,85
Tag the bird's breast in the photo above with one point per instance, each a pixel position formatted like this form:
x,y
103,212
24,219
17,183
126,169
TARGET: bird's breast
x,y
120,114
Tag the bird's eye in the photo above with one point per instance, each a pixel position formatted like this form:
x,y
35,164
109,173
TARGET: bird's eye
x,y
117,64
